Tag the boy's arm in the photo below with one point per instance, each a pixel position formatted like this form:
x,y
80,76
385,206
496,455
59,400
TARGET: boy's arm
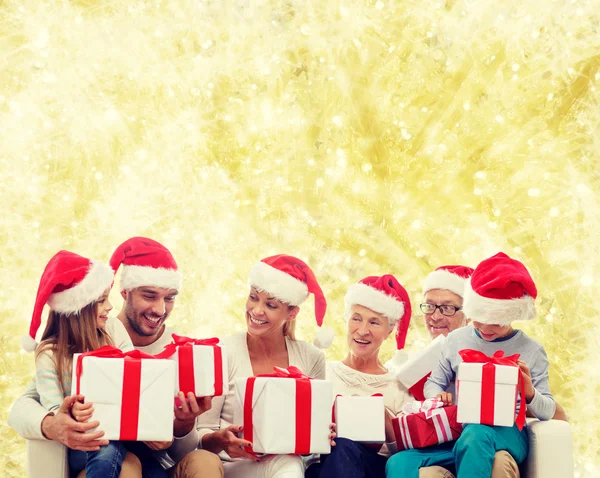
x,y
441,375
542,403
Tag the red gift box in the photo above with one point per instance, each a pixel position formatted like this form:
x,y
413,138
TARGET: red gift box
x,y
426,424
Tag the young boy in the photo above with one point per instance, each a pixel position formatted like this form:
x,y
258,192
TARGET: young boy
x,y
499,292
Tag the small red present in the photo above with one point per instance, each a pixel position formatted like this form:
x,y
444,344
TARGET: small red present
x,y
425,424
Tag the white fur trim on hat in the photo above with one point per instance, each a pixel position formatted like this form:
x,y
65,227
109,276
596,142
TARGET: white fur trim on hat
x,y
282,286
98,278
375,300
133,277
443,279
496,311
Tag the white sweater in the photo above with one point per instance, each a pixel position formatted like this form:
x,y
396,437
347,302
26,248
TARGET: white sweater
x,y
306,357
347,381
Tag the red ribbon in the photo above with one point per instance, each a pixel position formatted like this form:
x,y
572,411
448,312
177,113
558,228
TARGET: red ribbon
x,y
184,348
303,406
488,382
132,377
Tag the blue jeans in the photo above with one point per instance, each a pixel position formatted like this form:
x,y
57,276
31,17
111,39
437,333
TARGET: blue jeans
x,y
472,454
104,463
349,459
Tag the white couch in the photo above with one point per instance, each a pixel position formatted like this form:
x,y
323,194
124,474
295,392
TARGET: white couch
x,y
550,453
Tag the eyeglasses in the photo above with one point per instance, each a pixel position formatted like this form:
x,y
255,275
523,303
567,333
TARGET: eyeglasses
x,y
447,310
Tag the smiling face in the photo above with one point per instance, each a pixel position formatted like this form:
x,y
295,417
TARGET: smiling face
x,y
147,309
366,331
103,307
489,332
437,323
267,315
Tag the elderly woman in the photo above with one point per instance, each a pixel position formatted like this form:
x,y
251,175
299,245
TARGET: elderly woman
x,y
278,285
374,307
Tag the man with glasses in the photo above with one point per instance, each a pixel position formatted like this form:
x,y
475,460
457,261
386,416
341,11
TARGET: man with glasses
x,y
443,291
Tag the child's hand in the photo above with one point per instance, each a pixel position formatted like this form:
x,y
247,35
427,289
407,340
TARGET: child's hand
x,y
82,412
446,398
333,434
529,390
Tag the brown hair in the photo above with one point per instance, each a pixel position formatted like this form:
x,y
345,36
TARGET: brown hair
x,y
68,334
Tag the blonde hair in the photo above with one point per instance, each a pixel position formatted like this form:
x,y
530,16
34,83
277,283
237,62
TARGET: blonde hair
x,y
289,328
68,334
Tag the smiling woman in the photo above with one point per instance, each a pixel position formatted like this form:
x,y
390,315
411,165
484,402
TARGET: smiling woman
x,y
374,308
278,285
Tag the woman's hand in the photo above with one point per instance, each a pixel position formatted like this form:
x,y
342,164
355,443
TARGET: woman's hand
x,y
446,398
332,434
228,441
82,412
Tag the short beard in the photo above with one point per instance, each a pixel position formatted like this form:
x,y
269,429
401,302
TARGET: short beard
x,y
133,325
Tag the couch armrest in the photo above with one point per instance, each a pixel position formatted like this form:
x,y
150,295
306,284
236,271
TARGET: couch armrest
x,y
46,459
550,450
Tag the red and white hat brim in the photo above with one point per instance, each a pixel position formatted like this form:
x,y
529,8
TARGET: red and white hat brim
x,y
445,280
133,277
496,311
98,278
280,285
377,301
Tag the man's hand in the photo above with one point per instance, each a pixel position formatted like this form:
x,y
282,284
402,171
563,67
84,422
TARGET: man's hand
x,y
63,428
446,398
227,440
158,445
82,412
529,390
186,413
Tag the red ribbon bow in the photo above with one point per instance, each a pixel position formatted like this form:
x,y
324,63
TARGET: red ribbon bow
x,y
183,346
132,376
303,406
489,379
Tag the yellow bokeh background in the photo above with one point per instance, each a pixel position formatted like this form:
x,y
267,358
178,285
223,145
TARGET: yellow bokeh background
x,y
364,136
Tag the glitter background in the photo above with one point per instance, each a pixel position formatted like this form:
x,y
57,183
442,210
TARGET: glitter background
x,y
365,137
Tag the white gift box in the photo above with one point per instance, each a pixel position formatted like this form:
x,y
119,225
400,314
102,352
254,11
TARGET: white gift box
x,y
470,389
113,391
414,372
274,410
208,377
361,419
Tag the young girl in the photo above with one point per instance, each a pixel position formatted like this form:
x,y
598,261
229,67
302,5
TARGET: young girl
x,y
76,289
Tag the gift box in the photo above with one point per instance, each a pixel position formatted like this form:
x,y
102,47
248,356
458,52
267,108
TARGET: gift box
x,y
201,366
424,424
361,419
416,370
132,393
487,389
284,412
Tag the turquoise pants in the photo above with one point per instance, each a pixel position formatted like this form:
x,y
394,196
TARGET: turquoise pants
x,y
472,454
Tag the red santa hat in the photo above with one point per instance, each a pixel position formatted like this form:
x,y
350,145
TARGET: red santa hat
x,y
69,283
499,292
452,278
145,263
290,280
386,296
